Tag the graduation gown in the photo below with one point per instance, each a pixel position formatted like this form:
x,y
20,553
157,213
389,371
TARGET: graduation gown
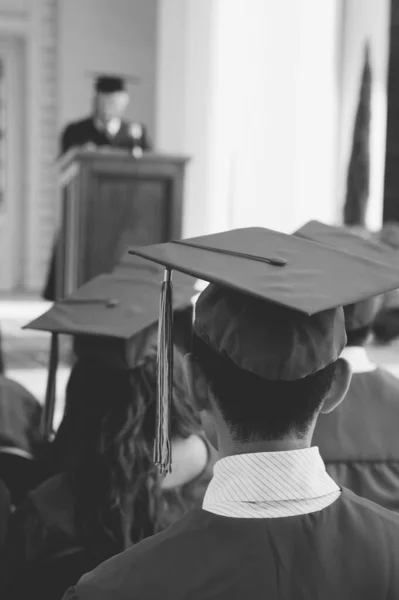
x,y
348,551
5,505
359,440
20,415
79,134
45,524
85,131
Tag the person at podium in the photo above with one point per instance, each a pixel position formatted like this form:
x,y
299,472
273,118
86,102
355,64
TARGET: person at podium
x,y
107,125
105,128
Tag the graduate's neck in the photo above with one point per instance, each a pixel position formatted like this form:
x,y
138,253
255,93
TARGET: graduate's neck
x,y
284,445
228,445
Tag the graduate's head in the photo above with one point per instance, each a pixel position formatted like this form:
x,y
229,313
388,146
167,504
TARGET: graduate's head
x,y
263,372
359,316
359,319
111,98
271,321
389,234
106,439
105,446
112,409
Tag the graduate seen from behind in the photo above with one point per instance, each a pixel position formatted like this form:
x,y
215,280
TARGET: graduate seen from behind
x,y
359,440
105,493
265,364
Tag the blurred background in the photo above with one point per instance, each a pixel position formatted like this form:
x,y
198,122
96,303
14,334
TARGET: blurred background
x,y
287,111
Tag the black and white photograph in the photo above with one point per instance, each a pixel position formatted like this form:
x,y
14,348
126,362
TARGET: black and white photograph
x,y
199,299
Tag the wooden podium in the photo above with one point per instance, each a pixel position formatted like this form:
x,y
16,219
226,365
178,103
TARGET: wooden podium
x,y
110,201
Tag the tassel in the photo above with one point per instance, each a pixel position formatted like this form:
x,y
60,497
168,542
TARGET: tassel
x,y
162,448
49,406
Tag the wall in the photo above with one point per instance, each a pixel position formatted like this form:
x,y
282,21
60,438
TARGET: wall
x,y
108,36
42,105
30,223
365,20
62,40
12,160
257,109
67,39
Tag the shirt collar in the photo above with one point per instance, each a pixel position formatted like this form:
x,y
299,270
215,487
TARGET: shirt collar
x,y
358,359
270,477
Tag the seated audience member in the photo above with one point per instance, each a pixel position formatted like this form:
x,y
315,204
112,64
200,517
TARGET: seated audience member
x,y
107,494
5,512
20,415
358,440
265,363
389,235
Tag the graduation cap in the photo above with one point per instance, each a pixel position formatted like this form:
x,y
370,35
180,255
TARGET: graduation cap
x,y
111,83
273,304
113,320
359,314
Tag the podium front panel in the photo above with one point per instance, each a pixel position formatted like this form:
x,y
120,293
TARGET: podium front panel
x,y
123,212
112,204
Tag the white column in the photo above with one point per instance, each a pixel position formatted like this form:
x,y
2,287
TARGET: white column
x,y
255,104
185,53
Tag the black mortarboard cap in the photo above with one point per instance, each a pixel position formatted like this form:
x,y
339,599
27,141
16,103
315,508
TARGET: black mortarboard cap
x,y
113,318
360,314
109,84
273,306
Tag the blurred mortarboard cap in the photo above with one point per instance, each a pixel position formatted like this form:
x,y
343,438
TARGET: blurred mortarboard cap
x,y
273,304
111,83
113,318
359,314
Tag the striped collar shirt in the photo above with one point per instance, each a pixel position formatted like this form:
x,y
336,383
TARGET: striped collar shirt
x,y
268,485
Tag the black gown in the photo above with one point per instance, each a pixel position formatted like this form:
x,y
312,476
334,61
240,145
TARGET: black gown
x,y
359,440
347,551
5,505
84,132
20,438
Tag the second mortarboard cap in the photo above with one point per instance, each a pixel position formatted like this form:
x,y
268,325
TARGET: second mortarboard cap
x,y
113,318
273,308
359,314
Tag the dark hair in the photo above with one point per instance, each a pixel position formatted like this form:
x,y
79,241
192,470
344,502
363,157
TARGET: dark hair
x,y
106,442
358,337
256,409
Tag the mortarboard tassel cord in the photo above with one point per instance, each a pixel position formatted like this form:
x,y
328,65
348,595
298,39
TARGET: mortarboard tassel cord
x,y
162,447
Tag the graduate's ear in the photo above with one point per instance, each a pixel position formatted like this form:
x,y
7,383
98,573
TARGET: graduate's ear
x,y
339,387
197,383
